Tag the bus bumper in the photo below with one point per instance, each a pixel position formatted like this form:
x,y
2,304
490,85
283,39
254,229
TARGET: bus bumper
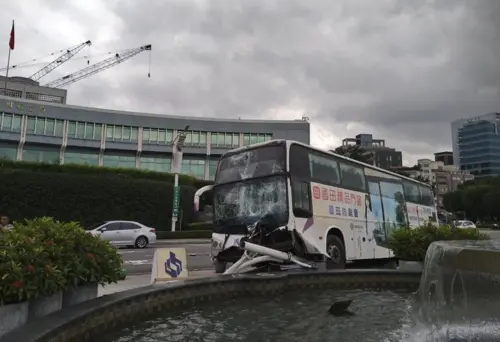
x,y
223,245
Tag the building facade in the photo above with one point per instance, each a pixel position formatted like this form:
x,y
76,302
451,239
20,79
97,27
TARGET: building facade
x,y
55,133
448,181
382,156
443,178
445,157
25,88
476,145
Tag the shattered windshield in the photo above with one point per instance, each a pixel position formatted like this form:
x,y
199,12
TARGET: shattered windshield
x,y
257,162
244,203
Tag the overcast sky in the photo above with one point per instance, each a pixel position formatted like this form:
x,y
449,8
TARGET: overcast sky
x,y
399,69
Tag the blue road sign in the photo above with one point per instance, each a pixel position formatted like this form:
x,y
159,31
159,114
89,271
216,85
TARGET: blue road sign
x,y
173,266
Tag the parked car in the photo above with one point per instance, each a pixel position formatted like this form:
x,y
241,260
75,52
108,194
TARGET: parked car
x,y
124,233
465,224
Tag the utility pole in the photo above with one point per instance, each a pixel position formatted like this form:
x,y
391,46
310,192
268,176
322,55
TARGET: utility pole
x,y
177,144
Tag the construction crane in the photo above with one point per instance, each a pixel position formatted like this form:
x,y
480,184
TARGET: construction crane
x,y
98,67
39,60
59,61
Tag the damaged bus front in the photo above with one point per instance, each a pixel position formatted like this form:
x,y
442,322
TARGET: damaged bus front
x,y
250,186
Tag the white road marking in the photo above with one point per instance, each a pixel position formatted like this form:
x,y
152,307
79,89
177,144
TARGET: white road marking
x,y
127,252
138,262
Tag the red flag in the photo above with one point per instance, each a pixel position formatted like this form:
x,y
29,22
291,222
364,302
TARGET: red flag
x,y
12,37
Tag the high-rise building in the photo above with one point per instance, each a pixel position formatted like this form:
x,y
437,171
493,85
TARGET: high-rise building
x,y
445,157
382,156
476,145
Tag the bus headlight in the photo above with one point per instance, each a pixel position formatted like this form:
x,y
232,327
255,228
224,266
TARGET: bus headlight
x,y
215,248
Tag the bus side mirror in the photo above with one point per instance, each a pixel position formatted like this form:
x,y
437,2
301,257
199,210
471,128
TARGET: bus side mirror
x,y
303,213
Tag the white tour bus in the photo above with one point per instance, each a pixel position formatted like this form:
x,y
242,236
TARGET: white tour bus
x,y
286,202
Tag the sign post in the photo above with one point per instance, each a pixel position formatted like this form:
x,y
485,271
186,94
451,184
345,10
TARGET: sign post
x,y
176,201
178,144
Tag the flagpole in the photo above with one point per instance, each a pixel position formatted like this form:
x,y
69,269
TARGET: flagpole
x,y
11,47
7,74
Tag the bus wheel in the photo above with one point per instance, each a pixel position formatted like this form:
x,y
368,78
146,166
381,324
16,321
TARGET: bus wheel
x,y
336,250
220,266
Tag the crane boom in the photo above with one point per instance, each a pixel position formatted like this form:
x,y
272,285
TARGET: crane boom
x,y
97,67
59,61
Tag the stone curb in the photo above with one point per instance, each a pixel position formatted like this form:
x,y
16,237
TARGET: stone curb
x,y
88,320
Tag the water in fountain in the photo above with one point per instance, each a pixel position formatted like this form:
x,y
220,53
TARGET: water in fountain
x,y
292,316
459,293
458,301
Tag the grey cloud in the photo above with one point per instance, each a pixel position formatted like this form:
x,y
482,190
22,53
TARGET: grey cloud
x,y
401,68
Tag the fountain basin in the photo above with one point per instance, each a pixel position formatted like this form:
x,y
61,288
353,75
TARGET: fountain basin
x,y
90,320
293,316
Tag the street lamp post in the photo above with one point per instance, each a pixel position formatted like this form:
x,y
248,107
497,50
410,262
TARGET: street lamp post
x,y
177,146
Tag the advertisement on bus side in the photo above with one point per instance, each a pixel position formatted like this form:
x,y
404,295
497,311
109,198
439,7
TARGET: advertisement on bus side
x,y
378,216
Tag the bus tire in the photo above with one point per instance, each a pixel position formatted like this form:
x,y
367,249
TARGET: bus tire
x,y
336,250
220,266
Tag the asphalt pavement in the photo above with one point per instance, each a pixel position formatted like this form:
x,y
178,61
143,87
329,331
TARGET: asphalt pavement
x,y
495,234
140,261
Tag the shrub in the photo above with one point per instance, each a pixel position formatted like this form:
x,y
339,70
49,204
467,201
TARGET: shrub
x,y
49,256
26,270
88,198
199,226
411,244
489,225
129,173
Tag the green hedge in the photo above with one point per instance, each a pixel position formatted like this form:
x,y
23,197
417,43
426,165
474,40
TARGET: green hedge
x,y
90,198
411,244
186,234
199,226
101,171
488,226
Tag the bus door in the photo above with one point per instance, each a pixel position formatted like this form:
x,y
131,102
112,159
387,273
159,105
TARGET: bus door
x,y
374,217
358,240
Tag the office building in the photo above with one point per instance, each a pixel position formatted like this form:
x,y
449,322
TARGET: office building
x,y
381,155
58,133
476,145
445,157
443,178
25,88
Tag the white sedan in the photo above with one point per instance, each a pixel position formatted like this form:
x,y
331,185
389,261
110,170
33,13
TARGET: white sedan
x,y
465,224
124,233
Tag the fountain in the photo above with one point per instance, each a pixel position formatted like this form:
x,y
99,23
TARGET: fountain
x,y
457,300
459,294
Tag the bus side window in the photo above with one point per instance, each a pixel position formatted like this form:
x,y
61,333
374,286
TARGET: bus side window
x,y
301,197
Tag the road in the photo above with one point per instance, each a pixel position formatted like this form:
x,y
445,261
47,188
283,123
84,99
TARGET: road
x,y
495,234
140,261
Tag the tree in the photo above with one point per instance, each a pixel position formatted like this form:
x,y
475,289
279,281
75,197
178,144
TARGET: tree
x,y
355,152
477,199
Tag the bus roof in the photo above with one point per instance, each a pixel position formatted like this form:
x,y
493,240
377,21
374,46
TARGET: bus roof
x,y
281,141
